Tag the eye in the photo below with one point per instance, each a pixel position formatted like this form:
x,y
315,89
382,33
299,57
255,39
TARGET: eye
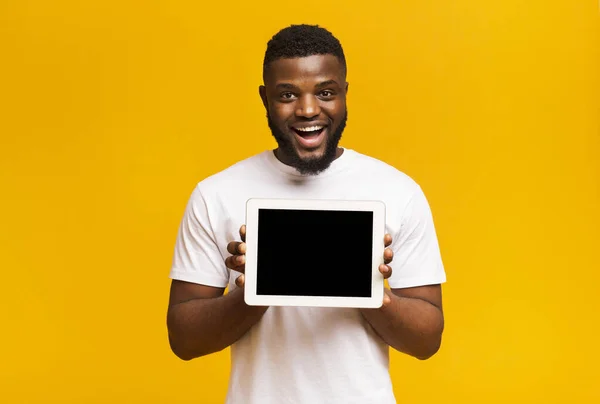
x,y
287,95
327,93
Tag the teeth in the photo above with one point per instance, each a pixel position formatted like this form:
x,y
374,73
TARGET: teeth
x,y
310,129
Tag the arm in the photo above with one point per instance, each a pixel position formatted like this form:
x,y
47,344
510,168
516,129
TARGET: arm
x,y
201,320
411,320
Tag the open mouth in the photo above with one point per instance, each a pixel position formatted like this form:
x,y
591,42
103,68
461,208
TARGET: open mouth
x,y
310,137
309,132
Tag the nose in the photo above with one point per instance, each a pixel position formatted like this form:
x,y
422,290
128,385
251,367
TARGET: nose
x,y
308,106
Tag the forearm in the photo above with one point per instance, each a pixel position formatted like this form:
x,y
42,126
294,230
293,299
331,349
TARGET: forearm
x,y
203,326
409,325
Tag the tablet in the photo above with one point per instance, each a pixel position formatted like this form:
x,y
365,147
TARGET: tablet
x,y
320,253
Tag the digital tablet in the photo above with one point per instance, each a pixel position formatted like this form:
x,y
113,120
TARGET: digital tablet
x,y
320,253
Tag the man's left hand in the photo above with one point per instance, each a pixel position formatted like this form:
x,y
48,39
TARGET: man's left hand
x,y
385,268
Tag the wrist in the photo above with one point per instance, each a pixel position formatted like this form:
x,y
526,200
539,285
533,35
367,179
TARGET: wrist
x,y
237,296
388,300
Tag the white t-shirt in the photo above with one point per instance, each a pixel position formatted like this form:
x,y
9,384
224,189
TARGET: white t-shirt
x,y
305,355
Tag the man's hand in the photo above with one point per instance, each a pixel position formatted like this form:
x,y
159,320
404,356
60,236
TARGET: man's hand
x,y
201,320
237,261
385,268
411,319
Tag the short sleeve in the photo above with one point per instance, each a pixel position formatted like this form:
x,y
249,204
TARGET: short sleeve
x,y
417,260
197,258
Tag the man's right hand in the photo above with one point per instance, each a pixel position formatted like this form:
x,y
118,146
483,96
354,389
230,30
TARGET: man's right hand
x,y
201,320
237,261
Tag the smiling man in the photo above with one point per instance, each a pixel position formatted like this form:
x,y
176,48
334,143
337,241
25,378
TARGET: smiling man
x,y
305,98
305,354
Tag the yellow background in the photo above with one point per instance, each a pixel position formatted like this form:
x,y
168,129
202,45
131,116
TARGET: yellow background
x,y
111,111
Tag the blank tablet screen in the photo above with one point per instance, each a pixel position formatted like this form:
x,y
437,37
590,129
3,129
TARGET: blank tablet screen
x,y
314,253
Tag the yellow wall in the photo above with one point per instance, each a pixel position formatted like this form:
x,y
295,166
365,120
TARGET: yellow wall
x,y
111,111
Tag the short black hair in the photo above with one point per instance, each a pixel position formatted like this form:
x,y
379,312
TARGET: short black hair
x,y
303,40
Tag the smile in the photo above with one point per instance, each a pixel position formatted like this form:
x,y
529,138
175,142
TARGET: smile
x,y
309,129
310,137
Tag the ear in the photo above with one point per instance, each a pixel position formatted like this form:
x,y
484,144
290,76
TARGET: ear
x,y
347,85
262,91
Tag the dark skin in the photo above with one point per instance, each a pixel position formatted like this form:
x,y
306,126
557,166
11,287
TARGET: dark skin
x,y
305,92
202,320
298,93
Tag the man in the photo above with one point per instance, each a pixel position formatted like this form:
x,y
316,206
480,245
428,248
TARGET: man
x,y
304,354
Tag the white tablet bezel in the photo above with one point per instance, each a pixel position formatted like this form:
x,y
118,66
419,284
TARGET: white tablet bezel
x,y
377,282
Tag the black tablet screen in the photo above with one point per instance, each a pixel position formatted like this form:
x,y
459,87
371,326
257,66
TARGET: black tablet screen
x,y
314,253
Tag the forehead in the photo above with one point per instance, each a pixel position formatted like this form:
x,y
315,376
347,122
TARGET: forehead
x,y
305,69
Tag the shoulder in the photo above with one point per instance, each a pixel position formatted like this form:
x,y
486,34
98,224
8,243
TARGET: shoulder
x,y
242,172
381,171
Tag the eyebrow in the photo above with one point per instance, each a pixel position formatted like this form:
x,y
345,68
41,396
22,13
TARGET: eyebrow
x,y
286,86
327,83
322,84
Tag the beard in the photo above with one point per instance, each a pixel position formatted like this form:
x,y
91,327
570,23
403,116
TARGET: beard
x,y
314,165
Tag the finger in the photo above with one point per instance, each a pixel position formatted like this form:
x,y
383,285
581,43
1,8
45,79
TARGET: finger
x,y
387,240
236,262
243,233
236,248
230,262
240,281
385,270
386,299
388,255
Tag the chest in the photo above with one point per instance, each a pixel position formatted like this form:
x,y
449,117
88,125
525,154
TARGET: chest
x,y
227,209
